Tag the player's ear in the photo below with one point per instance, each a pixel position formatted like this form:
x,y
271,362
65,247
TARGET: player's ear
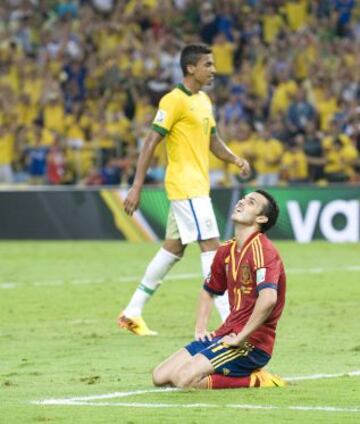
x,y
262,219
190,69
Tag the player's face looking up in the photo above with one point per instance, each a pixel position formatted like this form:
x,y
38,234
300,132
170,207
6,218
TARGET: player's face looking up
x,y
204,70
249,209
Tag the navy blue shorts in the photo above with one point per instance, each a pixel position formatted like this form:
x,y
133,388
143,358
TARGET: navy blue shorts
x,y
232,361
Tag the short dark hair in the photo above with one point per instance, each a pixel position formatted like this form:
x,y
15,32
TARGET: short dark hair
x,y
191,54
270,210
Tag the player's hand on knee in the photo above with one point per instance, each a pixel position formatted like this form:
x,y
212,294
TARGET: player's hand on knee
x,y
231,340
204,335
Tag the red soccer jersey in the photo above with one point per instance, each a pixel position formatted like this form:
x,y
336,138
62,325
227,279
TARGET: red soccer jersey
x,y
244,273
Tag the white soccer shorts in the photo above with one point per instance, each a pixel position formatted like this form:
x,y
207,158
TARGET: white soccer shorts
x,y
191,220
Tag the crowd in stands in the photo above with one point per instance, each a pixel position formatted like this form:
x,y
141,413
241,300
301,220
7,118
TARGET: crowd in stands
x,y
80,81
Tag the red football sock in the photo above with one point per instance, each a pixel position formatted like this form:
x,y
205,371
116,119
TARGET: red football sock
x,y
218,381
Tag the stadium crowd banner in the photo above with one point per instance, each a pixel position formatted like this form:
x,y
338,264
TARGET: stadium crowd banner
x,y
307,213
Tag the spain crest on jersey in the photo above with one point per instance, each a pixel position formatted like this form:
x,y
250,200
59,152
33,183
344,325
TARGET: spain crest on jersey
x,y
245,278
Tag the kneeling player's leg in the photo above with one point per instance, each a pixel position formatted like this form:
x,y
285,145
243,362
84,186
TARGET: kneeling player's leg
x,y
164,372
241,367
260,378
185,368
193,373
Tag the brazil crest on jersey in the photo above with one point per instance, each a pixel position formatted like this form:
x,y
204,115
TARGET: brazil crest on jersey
x,y
187,121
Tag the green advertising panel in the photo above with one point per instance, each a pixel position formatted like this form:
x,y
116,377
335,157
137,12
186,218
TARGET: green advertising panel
x,y
310,213
307,213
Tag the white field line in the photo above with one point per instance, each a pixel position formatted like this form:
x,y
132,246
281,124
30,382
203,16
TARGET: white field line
x,y
209,405
184,276
321,376
89,400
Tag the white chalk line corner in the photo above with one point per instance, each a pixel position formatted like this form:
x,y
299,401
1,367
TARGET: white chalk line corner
x,y
102,400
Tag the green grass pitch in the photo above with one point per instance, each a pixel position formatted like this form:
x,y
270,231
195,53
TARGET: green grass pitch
x,y
58,338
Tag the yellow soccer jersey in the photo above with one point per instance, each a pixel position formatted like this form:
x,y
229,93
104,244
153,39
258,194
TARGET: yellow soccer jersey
x,y
224,58
296,14
187,121
272,24
342,160
282,96
241,148
268,156
6,149
295,165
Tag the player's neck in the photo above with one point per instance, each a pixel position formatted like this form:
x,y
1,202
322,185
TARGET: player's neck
x,y
242,233
191,84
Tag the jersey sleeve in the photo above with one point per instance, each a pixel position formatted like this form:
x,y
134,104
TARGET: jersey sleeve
x,y
167,114
269,271
216,282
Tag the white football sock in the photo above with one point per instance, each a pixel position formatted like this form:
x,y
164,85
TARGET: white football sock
x,y
221,302
155,272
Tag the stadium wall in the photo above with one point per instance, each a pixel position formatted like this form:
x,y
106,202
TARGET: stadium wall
x,y
307,213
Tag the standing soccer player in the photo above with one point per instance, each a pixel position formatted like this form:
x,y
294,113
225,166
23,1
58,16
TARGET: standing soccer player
x,y
250,268
186,119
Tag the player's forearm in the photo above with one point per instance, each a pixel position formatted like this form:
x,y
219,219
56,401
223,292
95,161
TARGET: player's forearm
x,y
263,308
144,160
205,306
221,151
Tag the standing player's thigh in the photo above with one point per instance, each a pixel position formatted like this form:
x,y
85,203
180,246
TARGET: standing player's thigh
x,y
172,230
172,241
195,219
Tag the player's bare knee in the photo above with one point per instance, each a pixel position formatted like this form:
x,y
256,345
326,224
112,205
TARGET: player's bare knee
x,y
183,378
158,377
181,381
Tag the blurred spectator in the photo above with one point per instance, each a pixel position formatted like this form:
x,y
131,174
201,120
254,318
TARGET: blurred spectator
x,y
35,158
89,73
268,154
314,152
223,52
284,90
208,24
340,155
294,162
56,163
300,112
74,83
273,23
242,143
343,11
6,155
340,161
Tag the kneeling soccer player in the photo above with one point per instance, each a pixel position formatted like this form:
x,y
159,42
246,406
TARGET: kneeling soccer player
x,y
250,268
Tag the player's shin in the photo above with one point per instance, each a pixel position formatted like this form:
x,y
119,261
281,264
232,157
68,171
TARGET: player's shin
x,y
157,269
259,378
218,381
221,302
